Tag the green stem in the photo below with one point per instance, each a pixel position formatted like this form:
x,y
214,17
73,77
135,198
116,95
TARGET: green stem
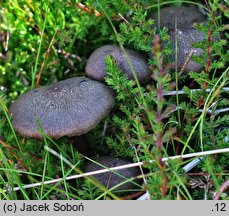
x,y
176,72
39,49
128,61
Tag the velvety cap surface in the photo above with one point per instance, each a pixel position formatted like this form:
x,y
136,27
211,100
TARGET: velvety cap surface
x,y
185,34
70,107
95,68
185,38
185,16
110,179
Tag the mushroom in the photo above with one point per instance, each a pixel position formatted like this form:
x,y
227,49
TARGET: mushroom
x,y
185,17
110,179
186,33
184,40
95,67
67,108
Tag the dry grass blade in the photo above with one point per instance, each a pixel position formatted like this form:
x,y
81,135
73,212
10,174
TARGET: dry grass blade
x,y
223,188
180,92
10,150
46,56
198,154
185,63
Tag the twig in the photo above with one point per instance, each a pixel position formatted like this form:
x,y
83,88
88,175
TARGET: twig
x,y
104,128
180,92
7,33
216,111
124,18
45,57
224,187
186,62
225,172
144,196
11,151
198,154
68,55
210,111
59,156
84,8
192,164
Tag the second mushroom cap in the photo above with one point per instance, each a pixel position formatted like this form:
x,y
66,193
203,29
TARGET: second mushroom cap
x,y
95,68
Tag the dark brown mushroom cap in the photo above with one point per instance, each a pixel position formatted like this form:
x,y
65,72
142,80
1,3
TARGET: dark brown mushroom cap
x,y
110,179
95,68
70,107
186,34
185,16
185,38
